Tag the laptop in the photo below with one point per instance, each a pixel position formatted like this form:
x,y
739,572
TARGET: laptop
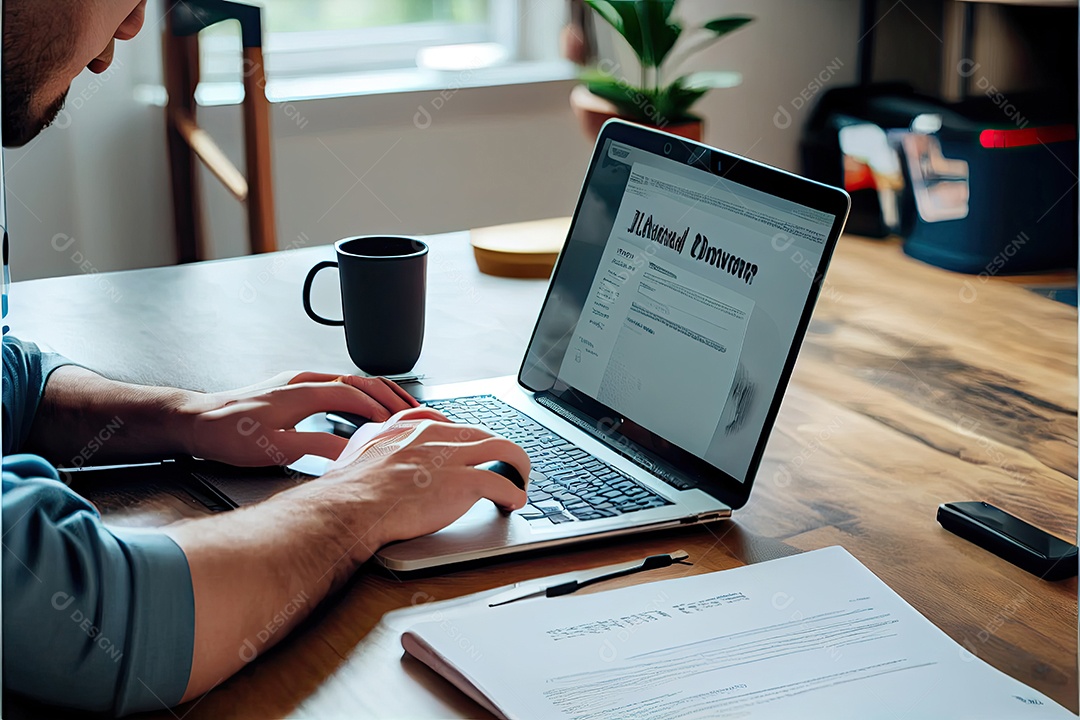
x,y
656,367
661,354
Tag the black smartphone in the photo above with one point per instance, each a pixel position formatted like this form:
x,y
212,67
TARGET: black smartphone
x,y
1010,538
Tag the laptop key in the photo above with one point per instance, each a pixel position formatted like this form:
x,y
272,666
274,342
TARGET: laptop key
x,y
547,506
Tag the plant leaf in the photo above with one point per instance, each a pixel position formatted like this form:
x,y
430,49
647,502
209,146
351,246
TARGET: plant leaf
x,y
645,25
629,101
606,10
671,105
622,15
675,101
659,33
723,26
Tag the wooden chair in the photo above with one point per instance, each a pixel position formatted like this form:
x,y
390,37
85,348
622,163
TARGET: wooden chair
x,y
187,142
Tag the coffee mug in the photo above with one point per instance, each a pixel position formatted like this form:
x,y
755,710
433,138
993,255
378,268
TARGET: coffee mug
x,y
383,289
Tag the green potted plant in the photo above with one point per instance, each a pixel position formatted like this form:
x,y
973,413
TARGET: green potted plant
x,y
651,98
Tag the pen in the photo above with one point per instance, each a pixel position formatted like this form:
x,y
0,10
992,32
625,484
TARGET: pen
x,y
653,562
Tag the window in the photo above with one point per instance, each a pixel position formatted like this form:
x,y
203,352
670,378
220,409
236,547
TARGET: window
x,y
312,38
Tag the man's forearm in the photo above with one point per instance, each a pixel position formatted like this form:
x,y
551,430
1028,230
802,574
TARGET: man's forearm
x,y
257,572
85,419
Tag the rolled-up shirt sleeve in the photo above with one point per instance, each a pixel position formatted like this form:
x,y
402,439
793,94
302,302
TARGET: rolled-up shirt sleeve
x,y
26,370
96,618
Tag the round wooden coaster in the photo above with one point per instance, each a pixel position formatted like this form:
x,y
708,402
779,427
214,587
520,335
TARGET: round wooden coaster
x,y
521,250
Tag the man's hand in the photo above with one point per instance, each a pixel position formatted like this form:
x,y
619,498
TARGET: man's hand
x,y
409,477
420,469
85,419
254,426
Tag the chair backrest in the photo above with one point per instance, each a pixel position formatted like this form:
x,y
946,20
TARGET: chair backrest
x,y
188,143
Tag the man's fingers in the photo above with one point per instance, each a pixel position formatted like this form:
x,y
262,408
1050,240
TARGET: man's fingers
x,y
293,403
387,396
445,432
478,452
363,437
399,434
400,392
382,392
293,445
421,413
376,386
497,489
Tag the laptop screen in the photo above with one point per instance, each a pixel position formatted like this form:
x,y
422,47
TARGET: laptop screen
x,y
676,304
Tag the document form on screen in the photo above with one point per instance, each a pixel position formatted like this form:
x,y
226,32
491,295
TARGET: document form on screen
x,y
663,326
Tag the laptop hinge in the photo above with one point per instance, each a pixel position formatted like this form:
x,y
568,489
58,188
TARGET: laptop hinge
x,y
620,444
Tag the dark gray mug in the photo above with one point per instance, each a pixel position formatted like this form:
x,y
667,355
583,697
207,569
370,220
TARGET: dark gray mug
x,y
383,291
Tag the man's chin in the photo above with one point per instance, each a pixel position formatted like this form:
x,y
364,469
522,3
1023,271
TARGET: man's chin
x,y
19,135
21,129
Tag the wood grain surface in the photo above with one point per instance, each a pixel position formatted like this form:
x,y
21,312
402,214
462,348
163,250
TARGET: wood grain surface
x,y
915,386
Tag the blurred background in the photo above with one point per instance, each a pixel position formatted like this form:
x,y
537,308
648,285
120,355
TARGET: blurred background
x,y
424,116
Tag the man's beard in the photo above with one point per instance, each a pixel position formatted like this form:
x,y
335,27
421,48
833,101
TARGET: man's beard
x,y
20,126
32,57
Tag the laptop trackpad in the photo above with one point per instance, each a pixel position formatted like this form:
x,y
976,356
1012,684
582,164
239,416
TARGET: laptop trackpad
x,y
484,514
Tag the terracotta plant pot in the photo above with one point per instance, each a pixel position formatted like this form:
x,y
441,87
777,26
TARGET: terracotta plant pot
x,y
592,112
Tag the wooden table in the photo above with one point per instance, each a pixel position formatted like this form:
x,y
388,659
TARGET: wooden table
x,y
916,386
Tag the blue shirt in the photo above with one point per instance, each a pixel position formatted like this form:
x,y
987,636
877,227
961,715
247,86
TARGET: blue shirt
x,y
97,618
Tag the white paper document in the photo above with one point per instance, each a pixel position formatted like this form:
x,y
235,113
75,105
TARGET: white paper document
x,y
816,635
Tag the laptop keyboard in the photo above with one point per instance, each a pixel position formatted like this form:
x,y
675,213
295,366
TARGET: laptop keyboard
x,y
566,483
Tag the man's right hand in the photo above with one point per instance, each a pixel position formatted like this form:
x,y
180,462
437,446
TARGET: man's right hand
x,y
411,476
416,474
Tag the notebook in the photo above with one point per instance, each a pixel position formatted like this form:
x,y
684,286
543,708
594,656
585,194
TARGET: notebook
x,y
815,635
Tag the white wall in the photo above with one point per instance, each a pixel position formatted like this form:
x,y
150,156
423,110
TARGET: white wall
x,y
361,165
491,155
97,177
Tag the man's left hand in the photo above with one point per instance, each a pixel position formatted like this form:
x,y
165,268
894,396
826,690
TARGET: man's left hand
x,y
255,426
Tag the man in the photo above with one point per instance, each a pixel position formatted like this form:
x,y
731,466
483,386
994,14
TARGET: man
x,y
122,621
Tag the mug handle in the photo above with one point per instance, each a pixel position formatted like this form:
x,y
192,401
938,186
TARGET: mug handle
x,y
307,294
